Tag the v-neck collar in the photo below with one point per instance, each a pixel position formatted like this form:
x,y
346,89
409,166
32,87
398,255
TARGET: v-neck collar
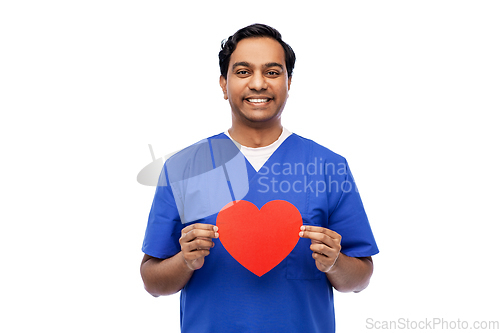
x,y
251,170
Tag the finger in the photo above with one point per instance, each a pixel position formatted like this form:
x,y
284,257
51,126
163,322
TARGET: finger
x,y
197,244
201,226
321,259
188,235
323,263
319,237
207,239
324,250
191,256
326,231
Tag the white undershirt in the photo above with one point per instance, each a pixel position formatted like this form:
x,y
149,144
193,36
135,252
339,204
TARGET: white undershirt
x,y
257,157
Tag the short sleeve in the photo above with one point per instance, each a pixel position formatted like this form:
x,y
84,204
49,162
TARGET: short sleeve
x,y
164,226
349,219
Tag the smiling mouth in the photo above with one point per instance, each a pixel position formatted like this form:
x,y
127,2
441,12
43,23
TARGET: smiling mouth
x,y
258,100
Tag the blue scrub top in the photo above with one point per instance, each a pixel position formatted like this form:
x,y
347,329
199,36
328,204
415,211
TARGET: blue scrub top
x,y
223,296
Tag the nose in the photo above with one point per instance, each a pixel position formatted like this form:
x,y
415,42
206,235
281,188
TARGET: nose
x,y
257,82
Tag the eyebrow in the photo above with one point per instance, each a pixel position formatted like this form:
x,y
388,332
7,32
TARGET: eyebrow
x,y
267,65
273,64
241,63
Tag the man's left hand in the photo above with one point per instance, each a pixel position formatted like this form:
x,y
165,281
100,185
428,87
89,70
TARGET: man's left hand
x,y
325,244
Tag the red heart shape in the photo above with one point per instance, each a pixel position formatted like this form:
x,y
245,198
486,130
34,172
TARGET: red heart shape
x,y
259,240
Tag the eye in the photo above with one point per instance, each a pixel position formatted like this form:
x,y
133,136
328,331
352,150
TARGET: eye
x,y
273,73
242,72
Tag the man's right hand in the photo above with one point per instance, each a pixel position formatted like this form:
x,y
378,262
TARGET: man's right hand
x,y
196,242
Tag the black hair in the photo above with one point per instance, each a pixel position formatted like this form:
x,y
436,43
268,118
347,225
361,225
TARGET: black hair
x,y
255,30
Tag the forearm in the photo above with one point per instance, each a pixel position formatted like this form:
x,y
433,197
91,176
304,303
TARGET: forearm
x,y
350,274
165,277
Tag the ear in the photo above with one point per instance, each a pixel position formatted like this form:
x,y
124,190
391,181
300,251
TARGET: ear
x,y
289,82
223,85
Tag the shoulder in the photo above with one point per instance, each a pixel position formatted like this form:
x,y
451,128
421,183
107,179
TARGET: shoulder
x,y
199,157
318,150
196,150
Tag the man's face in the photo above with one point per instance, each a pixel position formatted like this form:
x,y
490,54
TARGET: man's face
x,y
257,82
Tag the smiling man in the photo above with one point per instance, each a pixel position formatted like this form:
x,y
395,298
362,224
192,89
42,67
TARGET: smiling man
x,y
225,286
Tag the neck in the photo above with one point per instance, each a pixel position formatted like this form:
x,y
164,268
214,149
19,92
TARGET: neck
x,y
255,137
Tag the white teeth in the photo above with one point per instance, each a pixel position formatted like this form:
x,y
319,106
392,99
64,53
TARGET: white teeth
x,y
257,100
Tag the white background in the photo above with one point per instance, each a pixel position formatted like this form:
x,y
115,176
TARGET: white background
x,y
407,91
